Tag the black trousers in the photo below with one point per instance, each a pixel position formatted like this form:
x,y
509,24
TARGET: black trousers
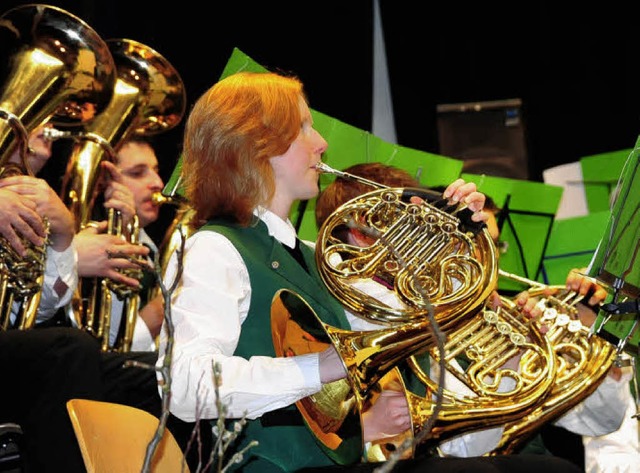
x,y
524,463
41,369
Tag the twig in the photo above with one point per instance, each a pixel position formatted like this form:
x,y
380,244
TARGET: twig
x,y
440,337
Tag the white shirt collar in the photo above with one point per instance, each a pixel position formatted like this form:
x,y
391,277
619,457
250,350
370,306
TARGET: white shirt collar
x,y
281,230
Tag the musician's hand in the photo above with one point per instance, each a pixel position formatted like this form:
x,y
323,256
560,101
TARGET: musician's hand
x,y
19,219
387,417
467,193
594,293
117,195
528,306
47,204
97,255
578,281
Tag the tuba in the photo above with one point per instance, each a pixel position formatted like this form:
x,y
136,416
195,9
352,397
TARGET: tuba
x,y
54,68
148,98
435,262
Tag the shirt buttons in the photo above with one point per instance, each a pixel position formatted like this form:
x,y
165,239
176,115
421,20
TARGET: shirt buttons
x,y
275,264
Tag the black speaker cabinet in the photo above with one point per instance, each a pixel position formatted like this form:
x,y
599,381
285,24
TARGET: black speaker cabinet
x,y
488,136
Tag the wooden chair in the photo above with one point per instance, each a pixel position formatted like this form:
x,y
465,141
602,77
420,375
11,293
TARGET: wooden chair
x,y
114,438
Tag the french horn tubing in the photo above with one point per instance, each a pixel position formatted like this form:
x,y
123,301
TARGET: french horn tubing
x,y
583,360
54,67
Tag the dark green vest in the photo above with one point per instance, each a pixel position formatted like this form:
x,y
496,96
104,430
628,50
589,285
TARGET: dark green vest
x,y
282,448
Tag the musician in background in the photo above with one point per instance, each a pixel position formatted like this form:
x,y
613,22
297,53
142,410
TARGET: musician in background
x,y
42,368
250,152
599,413
136,168
24,201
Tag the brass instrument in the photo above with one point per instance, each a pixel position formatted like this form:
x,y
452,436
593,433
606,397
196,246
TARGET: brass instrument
x,y
54,68
498,392
583,361
180,228
149,98
419,248
430,262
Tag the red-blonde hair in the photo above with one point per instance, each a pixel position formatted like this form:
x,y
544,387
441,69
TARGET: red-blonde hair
x,y
232,131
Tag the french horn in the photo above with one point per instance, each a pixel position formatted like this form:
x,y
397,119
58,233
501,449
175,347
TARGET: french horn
x,y
54,68
433,262
583,360
148,98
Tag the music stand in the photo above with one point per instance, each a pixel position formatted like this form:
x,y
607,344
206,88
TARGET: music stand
x,y
616,262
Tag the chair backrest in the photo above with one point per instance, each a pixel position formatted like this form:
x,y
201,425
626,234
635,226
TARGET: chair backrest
x,y
114,437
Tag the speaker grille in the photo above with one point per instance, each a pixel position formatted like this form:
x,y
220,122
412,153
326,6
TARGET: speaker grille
x,y
488,136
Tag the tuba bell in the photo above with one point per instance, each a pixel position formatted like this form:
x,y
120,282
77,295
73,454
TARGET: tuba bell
x,y
149,98
54,68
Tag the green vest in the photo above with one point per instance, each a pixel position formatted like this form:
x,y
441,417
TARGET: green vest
x,y
282,448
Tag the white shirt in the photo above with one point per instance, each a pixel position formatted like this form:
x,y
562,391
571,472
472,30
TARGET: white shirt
x,y
142,339
208,310
619,451
62,265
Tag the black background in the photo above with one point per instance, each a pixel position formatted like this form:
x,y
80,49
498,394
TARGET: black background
x,y
574,68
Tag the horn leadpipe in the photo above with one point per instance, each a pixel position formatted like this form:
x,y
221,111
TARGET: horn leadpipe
x,y
325,168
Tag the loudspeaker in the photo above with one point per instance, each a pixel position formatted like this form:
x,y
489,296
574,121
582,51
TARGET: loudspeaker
x,y
488,136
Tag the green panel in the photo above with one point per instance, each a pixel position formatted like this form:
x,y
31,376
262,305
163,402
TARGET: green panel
x,y
239,61
572,244
530,213
600,174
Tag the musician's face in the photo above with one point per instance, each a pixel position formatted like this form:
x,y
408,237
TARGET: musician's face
x,y
139,167
294,171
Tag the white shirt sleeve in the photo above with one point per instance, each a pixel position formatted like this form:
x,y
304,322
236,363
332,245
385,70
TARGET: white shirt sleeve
x,y
208,310
618,451
600,413
142,339
60,265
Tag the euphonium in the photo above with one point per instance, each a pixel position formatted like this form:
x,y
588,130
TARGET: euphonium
x,y
148,98
54,67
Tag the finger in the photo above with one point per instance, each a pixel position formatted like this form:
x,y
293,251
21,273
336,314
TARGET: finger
x,y
451,188
598,296
14,240
94,227
494,300
462,191
123,279
112,171
481,216
128,249
475,201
